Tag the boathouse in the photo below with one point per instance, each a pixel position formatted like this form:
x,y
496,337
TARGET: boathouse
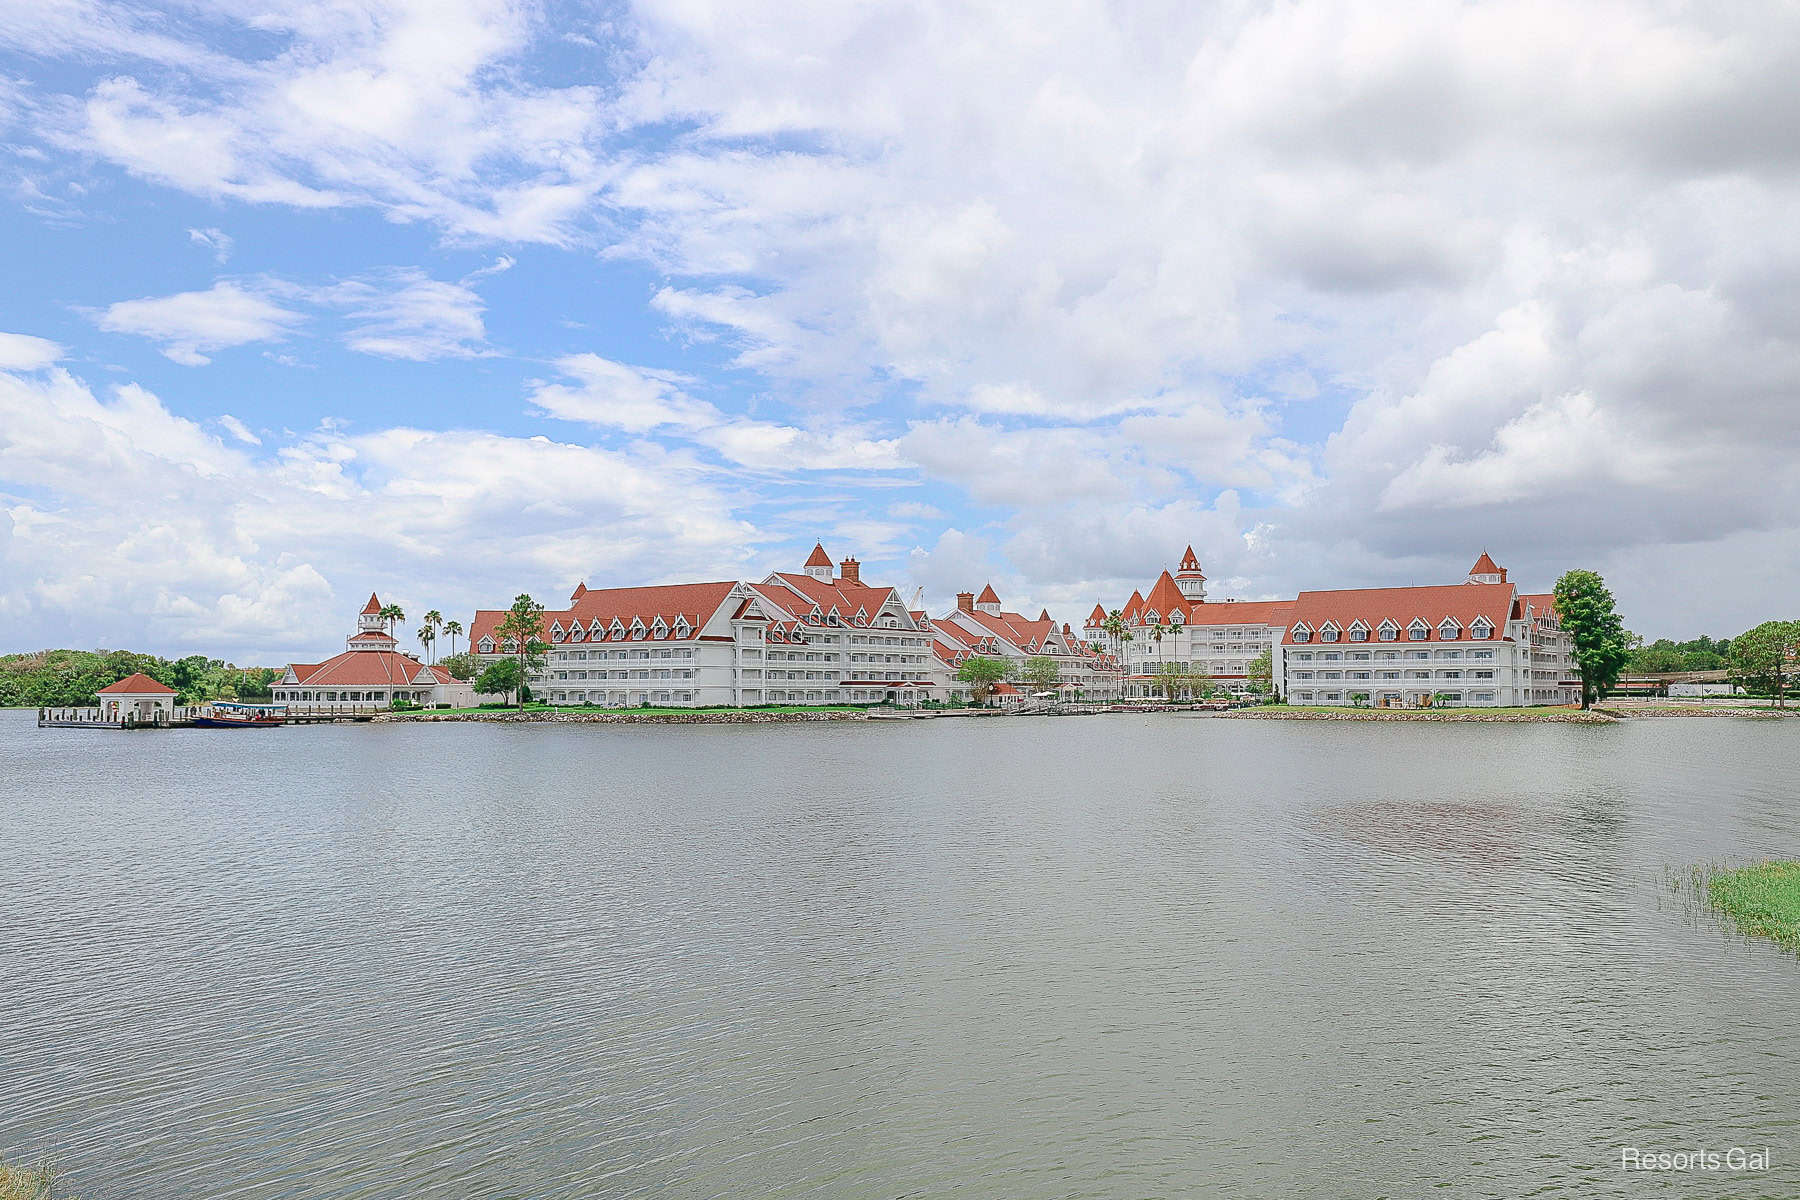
x,y
136,697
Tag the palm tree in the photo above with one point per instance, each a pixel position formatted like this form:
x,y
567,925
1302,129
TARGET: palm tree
x,y
429,625
454,629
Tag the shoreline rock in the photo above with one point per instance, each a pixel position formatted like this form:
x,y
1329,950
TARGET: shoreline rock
x,y
1443,715
746,717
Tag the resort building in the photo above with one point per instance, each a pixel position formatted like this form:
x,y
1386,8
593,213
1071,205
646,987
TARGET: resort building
x,y
1174,640
136,697
816,636
978,626
1480,642
370,671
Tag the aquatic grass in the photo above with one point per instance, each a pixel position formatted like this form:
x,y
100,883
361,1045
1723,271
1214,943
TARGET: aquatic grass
x,y
1762,899
30,1183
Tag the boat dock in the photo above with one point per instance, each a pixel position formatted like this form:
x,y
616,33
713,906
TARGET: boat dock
x,y
184,718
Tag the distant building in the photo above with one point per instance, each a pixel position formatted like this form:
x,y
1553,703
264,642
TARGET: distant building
x,y
1480,642
371,671
815,636
979,627
136,697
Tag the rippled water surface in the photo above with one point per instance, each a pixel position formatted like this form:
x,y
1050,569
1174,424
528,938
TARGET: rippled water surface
x,y
1111,957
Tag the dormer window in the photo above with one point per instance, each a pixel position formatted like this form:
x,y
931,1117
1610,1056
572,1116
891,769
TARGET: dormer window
x,y
1302,634
1328,632
1359,632
1418,631
486,645
1481,630
1449,630
1388,631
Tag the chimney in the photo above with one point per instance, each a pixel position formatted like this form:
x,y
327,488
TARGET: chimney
x,y
965,602
850,571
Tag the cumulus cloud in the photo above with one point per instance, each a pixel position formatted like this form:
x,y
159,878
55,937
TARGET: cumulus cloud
x,y
23,352
191,325
211,562
404,313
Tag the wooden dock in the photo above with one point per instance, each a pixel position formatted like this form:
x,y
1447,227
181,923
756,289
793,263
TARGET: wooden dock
x,y
183,717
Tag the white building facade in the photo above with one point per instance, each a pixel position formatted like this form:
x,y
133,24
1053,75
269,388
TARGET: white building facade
x,y
818,636
980,626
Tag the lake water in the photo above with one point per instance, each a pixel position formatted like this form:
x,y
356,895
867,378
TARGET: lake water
x,y
1104,957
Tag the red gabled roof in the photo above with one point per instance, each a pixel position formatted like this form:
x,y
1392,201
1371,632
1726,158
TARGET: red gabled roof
x,y
988,596
372,635
364,668
1487,566
1240,612
1463,602
840,594
1542,603
818,557
372,607
1190,565
137,684
1166,598
302,670
1098,616
695,601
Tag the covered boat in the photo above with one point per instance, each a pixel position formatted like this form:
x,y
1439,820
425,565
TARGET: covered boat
x,y
229,715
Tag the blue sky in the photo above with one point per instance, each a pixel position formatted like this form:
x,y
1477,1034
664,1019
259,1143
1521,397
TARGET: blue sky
x,y
462,298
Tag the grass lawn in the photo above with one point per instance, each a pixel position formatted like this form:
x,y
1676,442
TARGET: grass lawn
x,y
1450,708
653,712
1763,899
28,1183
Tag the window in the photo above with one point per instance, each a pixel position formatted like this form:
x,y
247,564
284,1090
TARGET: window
x,y
1328,634
1418,631
1359,634
1481,630
1390,632
1302,636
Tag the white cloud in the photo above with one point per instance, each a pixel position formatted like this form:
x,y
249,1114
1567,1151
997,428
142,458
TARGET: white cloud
x,y
23,352
404,313
216,240
238,430
266,557
191,324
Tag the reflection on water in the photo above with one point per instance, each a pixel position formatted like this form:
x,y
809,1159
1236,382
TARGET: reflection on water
x,y
1119,956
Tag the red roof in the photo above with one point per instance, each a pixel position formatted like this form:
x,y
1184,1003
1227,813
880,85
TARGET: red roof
x,y
1463,602
1165,597
818,558
1487,566
372,635
1543,604
1190,565
372,607
840,594
988,596
137,684
1097,617
366,668
695,601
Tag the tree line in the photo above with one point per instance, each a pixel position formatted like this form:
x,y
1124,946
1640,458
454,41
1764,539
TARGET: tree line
x,y
72,678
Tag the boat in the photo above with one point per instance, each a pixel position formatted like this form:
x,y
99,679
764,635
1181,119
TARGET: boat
x,y
223,715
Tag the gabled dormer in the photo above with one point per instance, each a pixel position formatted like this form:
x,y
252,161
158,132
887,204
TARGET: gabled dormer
x,y
1418,630
485,645
659,629
618,631
638,629
1329,632
1480,629
1449,629
1359,630
1302,633
1388,630
682,629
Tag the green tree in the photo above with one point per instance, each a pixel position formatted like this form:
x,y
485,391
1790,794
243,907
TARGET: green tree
x,y
502,678
1585,607
1042,673
523,626
982,673
1763,660
429,625
1260,673
461,666
453,630
392,615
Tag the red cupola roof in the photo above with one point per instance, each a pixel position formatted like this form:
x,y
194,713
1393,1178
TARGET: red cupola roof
x,y
373,607
1098,616
1487,566
1190,564
137,685
818,558
988,596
